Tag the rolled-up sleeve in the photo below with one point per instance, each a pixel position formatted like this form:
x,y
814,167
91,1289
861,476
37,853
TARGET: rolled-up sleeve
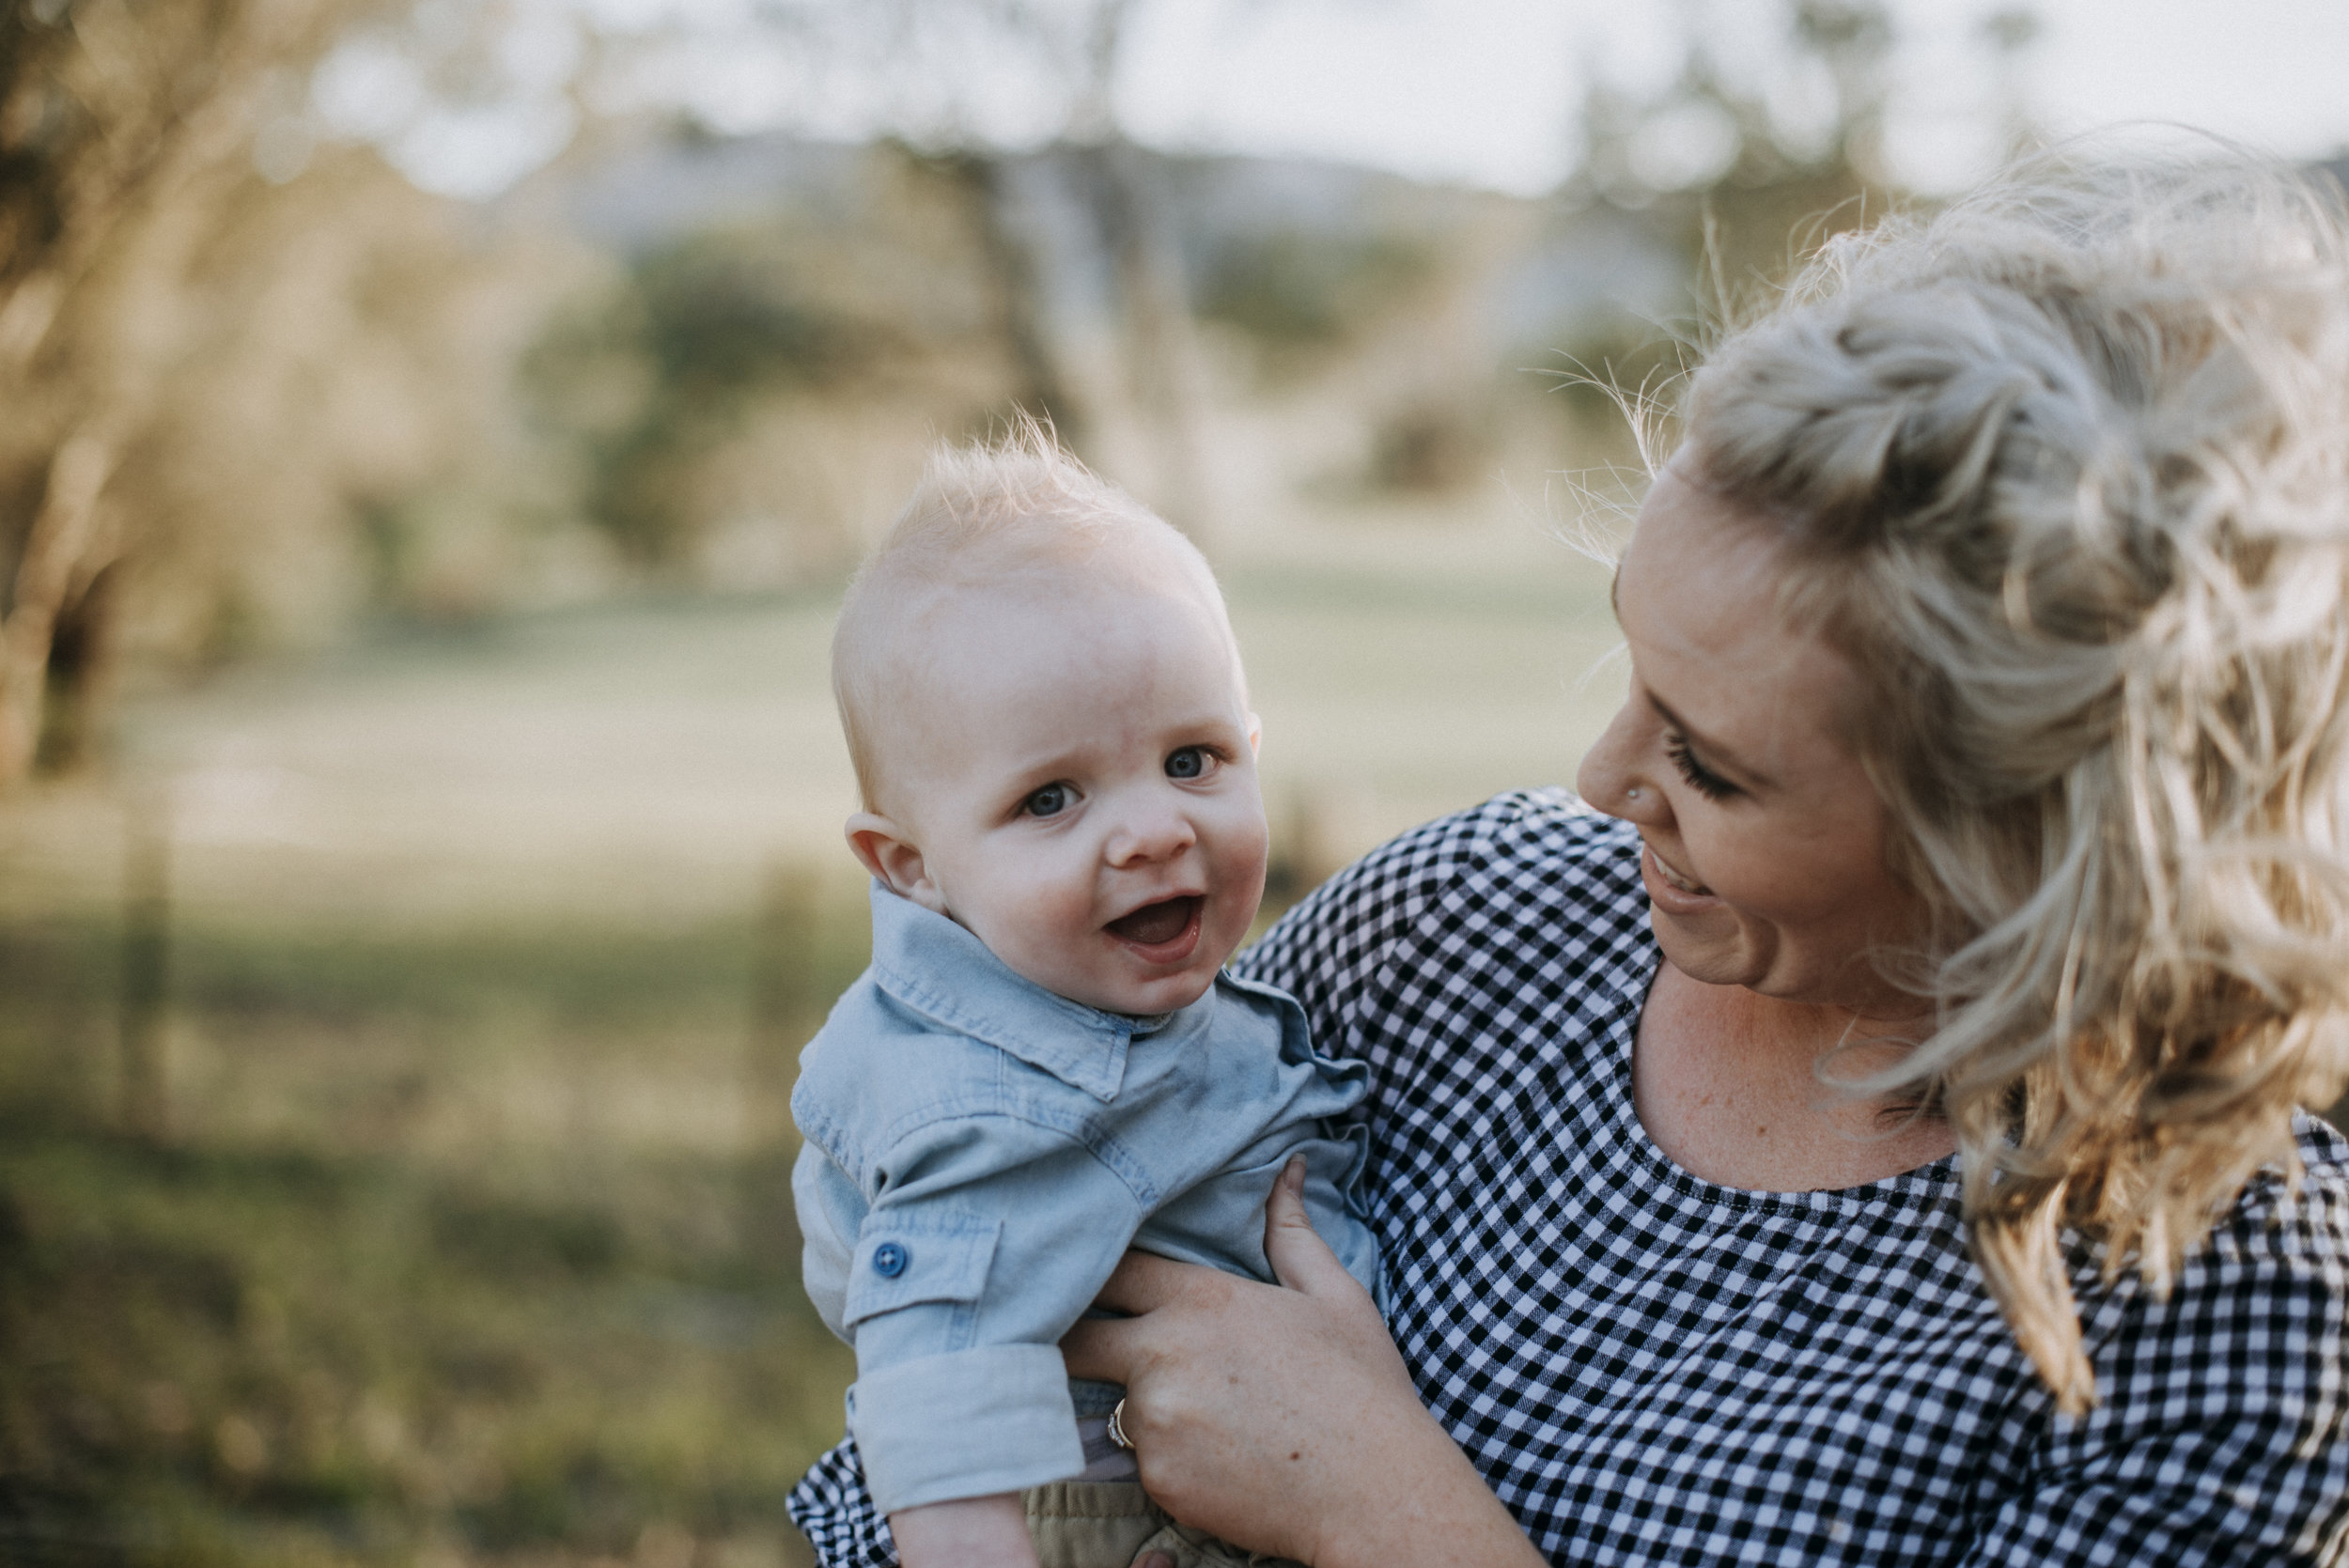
x,y
988,1238
993,1418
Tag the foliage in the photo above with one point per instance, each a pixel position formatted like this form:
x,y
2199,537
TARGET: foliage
x,y
219,381
782,369
1776,195
120,126
677,363
1296,291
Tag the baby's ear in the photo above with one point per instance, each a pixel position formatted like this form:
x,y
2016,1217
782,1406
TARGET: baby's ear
x,y
888,854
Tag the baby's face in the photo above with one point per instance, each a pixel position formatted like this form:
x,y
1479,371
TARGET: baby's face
x,y
1076,767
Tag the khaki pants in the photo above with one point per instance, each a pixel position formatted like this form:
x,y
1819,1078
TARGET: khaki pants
x,y
1107,1524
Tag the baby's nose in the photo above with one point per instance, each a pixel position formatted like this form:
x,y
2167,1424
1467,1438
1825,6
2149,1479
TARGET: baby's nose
x,y
1154,833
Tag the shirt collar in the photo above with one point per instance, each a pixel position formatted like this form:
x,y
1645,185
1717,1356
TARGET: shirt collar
x,y
933,965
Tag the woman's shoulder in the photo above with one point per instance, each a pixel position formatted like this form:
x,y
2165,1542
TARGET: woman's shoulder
x,y
1548,824
1544,838
2229,1379
1474,897
2275,1265
2302,1216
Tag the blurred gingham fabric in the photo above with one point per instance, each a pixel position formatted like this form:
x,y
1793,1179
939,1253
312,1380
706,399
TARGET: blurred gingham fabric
x,y
1651,1368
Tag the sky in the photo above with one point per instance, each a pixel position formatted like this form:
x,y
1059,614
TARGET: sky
x,y
1480,92
1477,91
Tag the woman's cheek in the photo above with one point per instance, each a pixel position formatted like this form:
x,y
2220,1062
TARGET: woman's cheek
x,y
1729,869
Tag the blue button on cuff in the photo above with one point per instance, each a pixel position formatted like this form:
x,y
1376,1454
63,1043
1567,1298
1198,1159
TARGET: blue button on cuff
x,y
890,1259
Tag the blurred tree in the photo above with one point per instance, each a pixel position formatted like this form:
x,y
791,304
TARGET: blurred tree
x,y
660,376
1746,164
121,127
1142,419
2009,34
337,435
738,403
1748,190
1764,189
252,381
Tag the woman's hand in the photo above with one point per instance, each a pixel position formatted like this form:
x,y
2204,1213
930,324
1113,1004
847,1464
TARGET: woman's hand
x,y
1281,1417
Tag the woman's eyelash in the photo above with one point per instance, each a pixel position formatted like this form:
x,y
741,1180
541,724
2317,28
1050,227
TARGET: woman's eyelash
x,y
1700,778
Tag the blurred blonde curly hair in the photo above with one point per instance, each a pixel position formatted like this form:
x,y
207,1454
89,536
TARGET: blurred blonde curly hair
x,y
2064,471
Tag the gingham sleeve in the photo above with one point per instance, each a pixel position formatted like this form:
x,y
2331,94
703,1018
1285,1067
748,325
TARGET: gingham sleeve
x,y
2219,1433
1331,950
835,1513
1353,950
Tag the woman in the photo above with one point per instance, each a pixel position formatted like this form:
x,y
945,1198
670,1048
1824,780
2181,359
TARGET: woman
x,y
1877,1142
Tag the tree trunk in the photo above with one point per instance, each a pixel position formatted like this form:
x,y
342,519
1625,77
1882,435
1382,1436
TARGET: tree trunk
x,y
83,664
61,552
1161,341
127,123
1015,275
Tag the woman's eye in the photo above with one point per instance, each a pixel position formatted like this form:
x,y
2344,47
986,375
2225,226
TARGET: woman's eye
x,y
1700,778
1189,762
1051,801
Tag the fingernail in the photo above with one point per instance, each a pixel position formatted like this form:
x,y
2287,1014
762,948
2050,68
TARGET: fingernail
x,y
1292,1177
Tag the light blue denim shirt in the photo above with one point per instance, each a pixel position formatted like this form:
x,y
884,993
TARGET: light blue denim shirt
x,y
980,1153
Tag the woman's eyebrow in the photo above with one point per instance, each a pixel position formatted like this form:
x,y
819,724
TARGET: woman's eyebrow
x,y
1715,754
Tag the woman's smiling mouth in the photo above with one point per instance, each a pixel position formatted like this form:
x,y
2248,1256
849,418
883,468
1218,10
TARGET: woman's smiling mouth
x,y
1671,875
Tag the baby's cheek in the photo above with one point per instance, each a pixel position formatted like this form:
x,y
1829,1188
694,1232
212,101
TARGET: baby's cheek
x,y
1057,907
1026,908
1249,841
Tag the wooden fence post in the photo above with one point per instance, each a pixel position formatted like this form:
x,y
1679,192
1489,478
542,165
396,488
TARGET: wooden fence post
x,y
782,1015
146,1104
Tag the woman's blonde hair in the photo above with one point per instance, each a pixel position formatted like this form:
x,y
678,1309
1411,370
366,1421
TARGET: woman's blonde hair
x,y
2064,471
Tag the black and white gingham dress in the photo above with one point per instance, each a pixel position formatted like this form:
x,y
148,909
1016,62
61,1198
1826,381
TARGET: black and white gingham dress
x,y
1651,1368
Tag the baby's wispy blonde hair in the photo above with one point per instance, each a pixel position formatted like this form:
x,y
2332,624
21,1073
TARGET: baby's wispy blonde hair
x,y
982,515
2064,470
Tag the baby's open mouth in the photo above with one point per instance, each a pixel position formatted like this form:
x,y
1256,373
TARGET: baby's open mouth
x,y
1155,924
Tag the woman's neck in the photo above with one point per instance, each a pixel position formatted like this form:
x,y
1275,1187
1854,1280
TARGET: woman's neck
x,y
1727,1083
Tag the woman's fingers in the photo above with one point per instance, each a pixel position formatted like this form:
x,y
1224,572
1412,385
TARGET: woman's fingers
x,y
1113,1349
1110,1349
1142,1280
1285,1418
1300,1259
1106,1349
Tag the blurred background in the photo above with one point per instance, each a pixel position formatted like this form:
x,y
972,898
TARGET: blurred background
x,y
435,435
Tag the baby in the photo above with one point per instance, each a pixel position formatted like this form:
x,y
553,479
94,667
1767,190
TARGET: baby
x,y
1045,1064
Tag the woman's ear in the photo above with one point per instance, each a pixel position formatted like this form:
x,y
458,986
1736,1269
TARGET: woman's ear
x,y
888,854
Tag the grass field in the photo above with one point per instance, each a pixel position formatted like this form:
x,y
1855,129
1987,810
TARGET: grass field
x,y
466,1247
485,959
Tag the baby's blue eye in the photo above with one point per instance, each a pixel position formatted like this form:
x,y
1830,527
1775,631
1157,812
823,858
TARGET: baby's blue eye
x,y
1048,801
1187,763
